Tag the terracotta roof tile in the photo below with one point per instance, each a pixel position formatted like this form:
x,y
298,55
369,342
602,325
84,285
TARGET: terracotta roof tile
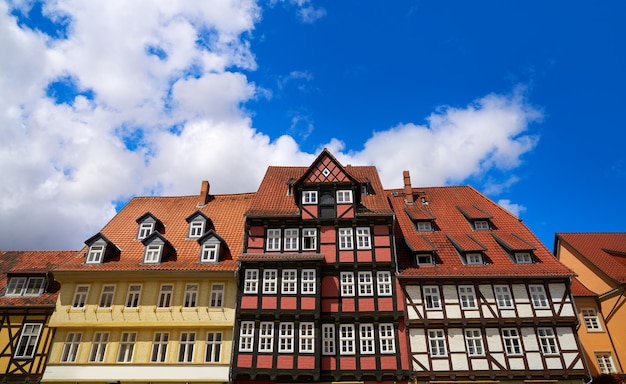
x,y
606,250
579,290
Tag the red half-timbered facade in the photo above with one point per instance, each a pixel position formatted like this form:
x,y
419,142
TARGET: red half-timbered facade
x,y
318,297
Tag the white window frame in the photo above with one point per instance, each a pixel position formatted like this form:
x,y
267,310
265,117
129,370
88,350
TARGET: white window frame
x,y
292,239
344,196
481,225
474,342
384,283
309,197
307,282
133,296
365,283
547,341
98,349
152,254
217,295
467,297
307,337
196,229
145,230
246,336
210,252
363,238
158,352
186,347
266,336
28,341
289,282
166,292
538,296
346,283
95,254
424,226
107,294
346,241
16,286
366,339
81,293
270,281
126,347
474,258
285,337
387,338
437,343
346,339
591,319
419,259
309,239
328,340
605,362
190,298
512,342
251,281
70,347
34,286
523,258
503,296
432,297
273,238
213,347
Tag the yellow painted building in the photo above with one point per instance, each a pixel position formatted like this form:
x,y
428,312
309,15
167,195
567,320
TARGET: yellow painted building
x,y
599,261
151,298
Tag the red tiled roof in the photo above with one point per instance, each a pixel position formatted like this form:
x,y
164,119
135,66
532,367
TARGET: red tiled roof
x,y
226,213
606,250
29,263
579,290
452,224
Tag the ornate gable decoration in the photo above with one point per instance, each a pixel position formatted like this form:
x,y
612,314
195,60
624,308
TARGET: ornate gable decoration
x,y
326,169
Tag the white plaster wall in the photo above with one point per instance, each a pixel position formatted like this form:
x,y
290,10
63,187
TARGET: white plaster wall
x,y
569,358
453,311
434,314
441,365
456,340
516,363
519,294
554,363
524,310
494,341
535,360
529,339
479,364
566,338
459,362
417,339
423,359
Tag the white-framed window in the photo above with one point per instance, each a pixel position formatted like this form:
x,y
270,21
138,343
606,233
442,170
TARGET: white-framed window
x,y
285,337
145,229
347,283
106,296
366,333
27,344
25,286
210,252
363,239
270,278
196,229
70,347
80,296
424,259
605,363
16,286
383,286
424,226
251,281
481,225
503,296
387,338
126,347
547,340
158,354
309,239
307,337
289,283
309,197
437,343
474,258
153,253
266,336
328,339
133,296
344,196
307,282
246,336
512,344
591,320
272,242
217,296
474,342
292,239
467,297
165,296
35,286
95,254
345,238
365,283
538,296
191,296
346,339
186,346
431,297
213,349
523,258
98,347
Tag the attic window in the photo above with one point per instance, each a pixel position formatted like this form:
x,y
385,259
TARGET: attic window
x,y
424,226
474,259
153,253
196,228
481,225
210,251
523,258
95,254
25,286
344,196
145,229
424,259
309,197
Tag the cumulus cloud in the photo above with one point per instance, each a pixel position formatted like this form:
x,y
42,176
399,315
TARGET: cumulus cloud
x,y
158,107
514,208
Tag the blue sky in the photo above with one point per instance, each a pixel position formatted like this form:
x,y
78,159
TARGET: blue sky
x,y
102,101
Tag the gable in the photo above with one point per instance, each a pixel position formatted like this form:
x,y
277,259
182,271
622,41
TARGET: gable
x,y
326,169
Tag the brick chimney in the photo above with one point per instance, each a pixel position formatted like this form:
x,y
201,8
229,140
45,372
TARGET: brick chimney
x,y
408,190
204,192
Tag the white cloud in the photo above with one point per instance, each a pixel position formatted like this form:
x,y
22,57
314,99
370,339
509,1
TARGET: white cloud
x,y
515,209
305,10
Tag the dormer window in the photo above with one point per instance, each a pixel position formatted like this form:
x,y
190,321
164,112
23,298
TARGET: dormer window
x,y
153,253
474,259
210,252
424,226
199,223
100,249
344,197
481,225
25,286
309,197
424,259
196,229
148,224
523,258
145,230
95,254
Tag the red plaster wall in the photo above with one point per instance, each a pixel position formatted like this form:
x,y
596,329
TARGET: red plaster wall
x,y
330,305
264,361
403,348
327,235
268,302
285,362
330,286
385,304
309,211
255,243
383,254
288,303
345,210
244,361
306,362
257,232
382,241
347,363
364,256
249,302
380,230
329,363
388,362
330,252
307,303
368,363
366,304
346,256
347,305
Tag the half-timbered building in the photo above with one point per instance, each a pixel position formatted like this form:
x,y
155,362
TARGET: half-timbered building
x,y
318,298
486,301
28,296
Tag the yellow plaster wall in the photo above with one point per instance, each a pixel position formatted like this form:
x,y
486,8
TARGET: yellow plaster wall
x,y
587,274
594,341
